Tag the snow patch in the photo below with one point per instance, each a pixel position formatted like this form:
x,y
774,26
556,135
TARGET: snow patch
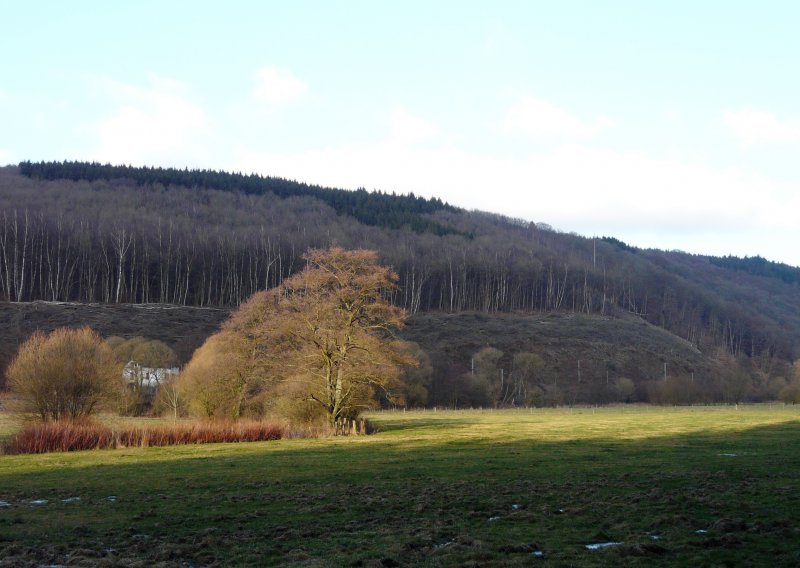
x,y
599,545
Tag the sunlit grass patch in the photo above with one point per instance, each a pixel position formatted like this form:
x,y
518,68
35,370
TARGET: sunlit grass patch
x,y
9,424
580,423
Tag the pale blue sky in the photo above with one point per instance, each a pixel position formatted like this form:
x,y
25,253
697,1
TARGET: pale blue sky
x,y
667,124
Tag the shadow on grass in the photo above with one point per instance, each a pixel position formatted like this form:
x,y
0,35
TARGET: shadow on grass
x,y
380,501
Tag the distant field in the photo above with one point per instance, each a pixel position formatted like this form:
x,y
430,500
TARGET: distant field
x,y
679,487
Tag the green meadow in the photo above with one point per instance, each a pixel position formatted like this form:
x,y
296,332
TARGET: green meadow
x,y
700,486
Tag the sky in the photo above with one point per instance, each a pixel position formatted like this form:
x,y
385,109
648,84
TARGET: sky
x,y
671,125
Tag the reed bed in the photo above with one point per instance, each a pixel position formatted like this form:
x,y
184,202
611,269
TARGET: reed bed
x,y
69,436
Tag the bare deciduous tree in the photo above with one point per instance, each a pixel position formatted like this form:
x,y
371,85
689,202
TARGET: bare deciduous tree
x,y
323,338
68,373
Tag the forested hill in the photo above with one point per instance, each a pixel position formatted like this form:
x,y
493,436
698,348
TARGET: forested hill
x,y
115,235
760,267
371,208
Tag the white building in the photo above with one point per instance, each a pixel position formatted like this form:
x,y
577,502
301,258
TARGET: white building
x,y
148,377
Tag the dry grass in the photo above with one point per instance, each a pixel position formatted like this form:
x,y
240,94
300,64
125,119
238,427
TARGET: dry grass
x,y
623,346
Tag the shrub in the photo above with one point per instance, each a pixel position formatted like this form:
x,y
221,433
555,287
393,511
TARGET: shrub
x,y
69,373
59,436
790,394
69,435
676,391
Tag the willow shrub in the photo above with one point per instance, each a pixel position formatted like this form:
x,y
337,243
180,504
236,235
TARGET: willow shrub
x,y
74,435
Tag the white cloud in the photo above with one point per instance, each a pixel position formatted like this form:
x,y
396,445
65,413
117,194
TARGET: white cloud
x,y
660,203
155,124
6,158
276,87
571,187
755,127
408,128
540,118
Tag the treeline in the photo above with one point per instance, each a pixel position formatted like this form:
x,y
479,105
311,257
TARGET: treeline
x,y
125,242
760,267
371,208
497,379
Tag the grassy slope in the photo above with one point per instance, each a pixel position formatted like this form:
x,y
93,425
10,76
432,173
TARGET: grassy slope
x,y
423,491
623,346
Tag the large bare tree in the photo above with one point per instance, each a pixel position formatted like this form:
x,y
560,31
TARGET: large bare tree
x,y
323,337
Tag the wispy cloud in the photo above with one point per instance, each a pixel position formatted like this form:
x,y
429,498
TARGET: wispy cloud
x,y
757,127
157,123
276,86
540,118
664,203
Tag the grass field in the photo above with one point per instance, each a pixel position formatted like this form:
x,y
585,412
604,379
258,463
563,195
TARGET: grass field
x,y
680,487
9,424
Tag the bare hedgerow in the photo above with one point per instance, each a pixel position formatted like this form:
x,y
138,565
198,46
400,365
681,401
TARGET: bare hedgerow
x,y
66,374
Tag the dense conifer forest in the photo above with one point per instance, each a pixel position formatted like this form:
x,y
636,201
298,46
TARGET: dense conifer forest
x,y
84,232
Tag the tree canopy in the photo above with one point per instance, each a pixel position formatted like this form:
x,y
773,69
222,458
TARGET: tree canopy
x,y
321,344
371,208
68,373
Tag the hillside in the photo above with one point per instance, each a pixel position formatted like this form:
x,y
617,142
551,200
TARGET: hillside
x,y
183,328
584,358
88,233
608,347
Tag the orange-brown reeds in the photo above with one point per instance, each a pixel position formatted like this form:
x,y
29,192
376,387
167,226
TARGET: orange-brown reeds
x,y
67,436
